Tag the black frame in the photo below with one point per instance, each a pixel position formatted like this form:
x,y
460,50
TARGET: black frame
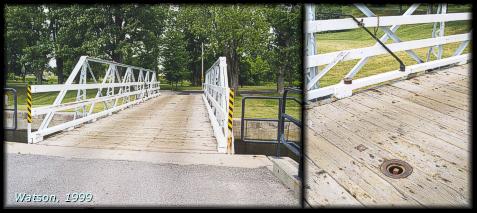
x,y
282,118
15,119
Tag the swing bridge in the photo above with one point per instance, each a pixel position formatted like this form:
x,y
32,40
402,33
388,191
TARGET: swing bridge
x,y
399,137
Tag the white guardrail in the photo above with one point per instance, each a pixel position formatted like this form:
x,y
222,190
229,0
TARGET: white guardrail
x,y
389,25
114,92
216,98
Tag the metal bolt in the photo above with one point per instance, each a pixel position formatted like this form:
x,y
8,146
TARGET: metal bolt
x,y
347,80
395,170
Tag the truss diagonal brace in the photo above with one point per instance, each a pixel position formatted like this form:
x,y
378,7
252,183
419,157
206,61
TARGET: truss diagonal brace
x,y
389,33
328,67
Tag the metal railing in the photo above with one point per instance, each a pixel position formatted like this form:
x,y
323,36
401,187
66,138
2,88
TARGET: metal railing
x,y
389,25
284,117
114,92
14,110
281,120
216,98
293,147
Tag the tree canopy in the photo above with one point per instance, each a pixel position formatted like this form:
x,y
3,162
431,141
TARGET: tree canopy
x,y
261,42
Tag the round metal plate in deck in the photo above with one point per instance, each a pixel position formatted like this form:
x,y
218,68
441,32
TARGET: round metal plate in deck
x,y
396,168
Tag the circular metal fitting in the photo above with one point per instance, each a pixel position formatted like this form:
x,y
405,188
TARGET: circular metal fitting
x,y
396,168
347,80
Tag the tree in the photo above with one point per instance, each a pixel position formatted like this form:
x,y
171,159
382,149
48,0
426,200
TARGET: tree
x,y
195,22
239,31
258,68
174,52
15,41
61,39
27,40
259,42
286,23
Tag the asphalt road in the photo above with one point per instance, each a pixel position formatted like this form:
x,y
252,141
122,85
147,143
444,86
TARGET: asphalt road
x,y
141,184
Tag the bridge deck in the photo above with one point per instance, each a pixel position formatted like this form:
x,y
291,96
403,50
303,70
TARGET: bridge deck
x,y
168,123
424,121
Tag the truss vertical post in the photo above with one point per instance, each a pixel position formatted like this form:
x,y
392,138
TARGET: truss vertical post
x,y
310,46
80,111
100,90
437,31
441,31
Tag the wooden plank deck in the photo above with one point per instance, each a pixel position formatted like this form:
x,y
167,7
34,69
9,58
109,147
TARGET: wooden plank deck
x,y
424,121
168,123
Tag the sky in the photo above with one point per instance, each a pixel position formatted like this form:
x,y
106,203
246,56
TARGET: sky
x,y
52,63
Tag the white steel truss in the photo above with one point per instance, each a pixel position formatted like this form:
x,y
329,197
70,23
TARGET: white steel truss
x,y
389,25
216,98
110,92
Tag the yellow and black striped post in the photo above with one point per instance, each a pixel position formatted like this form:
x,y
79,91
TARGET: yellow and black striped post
x,y
230,120
29,103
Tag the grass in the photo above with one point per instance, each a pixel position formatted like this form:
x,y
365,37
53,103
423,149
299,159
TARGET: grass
x,y
393,9
47,98
255,108
358,38
266,108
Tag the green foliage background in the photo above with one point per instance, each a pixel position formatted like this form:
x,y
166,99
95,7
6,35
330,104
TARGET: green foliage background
x,y
261,42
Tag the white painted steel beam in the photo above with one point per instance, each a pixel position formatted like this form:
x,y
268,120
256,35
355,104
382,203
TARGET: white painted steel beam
x,y
310,47
349,23
46,109
62,94
325,70
216,99
149,88
82,120
387,76
388,33
326,58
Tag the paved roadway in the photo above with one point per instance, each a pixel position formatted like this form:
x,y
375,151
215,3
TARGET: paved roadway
x,y
139,178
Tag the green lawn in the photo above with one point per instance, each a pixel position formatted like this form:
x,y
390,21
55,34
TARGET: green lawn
x,y
266,108
255,108
358,38
47,98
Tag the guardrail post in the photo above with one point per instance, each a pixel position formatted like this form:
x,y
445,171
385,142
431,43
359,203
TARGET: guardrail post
x,y
29,117
230,145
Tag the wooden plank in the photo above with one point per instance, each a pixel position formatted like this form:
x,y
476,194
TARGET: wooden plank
x,y
410,123
427,102
362,183
461,86
451,74
442,82
321,190
450,153
464,70
452,99
431,85
446,123
422,157
452,81
417,186
417,116
169,123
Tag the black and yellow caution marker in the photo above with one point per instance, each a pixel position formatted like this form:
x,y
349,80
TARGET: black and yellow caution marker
x,y
29,103
230,120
